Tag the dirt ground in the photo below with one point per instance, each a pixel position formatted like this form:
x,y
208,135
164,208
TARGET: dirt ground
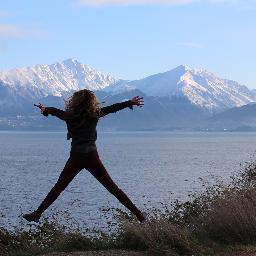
x,y
240,253
98,253
248,252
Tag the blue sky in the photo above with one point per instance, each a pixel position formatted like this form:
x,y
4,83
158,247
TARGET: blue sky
x,y
131,39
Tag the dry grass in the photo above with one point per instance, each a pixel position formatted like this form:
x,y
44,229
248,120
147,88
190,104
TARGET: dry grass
x,y
159,237
222,218
227,214
232,218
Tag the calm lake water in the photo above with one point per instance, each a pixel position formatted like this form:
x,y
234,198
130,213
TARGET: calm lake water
x,y
152,168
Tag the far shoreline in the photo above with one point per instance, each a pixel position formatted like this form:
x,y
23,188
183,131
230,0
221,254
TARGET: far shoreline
x,y
99,131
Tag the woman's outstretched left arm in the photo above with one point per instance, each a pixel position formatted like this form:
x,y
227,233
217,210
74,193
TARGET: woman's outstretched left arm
x,y
135,101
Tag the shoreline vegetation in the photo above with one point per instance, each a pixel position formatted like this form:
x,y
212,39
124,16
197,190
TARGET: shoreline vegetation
x,y
47,130
58,131
220,220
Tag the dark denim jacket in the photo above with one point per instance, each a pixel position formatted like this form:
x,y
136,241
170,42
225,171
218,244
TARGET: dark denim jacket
x,y
84,130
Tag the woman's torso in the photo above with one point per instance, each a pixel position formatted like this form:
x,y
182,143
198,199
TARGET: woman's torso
x,y
83,133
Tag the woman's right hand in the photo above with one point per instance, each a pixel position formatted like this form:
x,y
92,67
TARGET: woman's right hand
x,y
41,106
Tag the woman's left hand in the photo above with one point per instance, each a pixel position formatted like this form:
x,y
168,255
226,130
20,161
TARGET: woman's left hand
x,y
138,101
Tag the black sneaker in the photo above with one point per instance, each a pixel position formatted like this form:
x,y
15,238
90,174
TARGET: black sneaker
x,y
141,217
34,216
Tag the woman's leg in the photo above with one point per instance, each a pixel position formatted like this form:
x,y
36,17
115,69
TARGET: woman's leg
x,y
97,169
71,169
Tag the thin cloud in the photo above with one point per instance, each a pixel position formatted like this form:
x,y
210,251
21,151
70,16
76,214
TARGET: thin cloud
x,y
16,31
3,49
191,45
129,2
3,13
99,3
11,31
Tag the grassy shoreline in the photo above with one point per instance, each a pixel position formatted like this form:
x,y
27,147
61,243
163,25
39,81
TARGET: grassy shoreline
x,y
219,221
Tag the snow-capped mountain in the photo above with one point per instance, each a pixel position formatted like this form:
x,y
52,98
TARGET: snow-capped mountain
x,y
181,98
199,86
53,80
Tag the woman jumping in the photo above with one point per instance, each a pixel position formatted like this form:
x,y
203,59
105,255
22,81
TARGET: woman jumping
x,y
81,115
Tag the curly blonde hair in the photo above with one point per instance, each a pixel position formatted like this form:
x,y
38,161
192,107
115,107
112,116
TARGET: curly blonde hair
x,y
84,103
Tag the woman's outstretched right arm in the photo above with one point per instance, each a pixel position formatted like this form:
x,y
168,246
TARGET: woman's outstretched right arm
x,y
54,112
61,114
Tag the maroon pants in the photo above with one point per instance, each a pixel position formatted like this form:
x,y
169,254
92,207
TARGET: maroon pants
x,y
93,164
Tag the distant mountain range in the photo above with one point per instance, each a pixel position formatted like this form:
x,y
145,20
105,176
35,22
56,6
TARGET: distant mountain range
x,y
199,86
20,87
179,99
238,118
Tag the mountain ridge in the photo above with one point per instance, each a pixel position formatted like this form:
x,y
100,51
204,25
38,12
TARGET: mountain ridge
x,y
200,86
181,98
56,79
